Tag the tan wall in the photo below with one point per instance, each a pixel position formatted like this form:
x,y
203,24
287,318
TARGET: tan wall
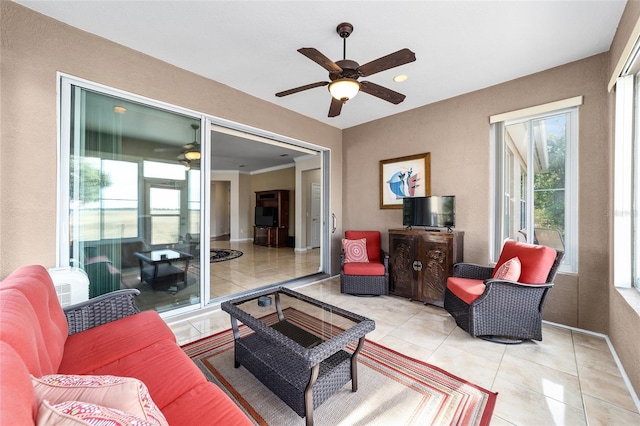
x,y
456,133
34,48
624,305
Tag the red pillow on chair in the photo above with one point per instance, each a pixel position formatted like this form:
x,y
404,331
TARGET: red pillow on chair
x,y
355,250
510,270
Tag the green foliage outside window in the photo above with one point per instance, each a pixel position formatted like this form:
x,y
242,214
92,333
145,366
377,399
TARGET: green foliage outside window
x,y
549,187
91,179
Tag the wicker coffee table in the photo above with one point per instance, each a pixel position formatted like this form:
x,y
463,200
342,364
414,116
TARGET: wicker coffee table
x,y
302,366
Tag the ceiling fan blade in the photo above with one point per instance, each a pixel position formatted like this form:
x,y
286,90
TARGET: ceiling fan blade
x,y
301,88
335,108
381,92
320,59
392,60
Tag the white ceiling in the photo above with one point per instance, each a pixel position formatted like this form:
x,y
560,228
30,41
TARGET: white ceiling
x,y
461,46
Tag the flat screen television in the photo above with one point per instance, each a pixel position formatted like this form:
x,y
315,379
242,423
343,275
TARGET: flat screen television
x,y
266,216
431,212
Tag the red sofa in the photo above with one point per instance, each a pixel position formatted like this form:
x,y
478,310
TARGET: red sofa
x,y
38,338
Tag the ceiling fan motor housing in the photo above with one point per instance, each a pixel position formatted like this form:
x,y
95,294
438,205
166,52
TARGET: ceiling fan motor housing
x,y
344,29
349,70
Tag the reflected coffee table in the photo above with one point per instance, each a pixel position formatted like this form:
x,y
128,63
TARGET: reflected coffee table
x,y
302,365
163,268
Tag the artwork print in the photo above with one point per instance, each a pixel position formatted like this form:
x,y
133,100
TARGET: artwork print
x,y
404,177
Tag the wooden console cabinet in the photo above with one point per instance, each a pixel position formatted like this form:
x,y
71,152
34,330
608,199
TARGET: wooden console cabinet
x,y
273,236
421,261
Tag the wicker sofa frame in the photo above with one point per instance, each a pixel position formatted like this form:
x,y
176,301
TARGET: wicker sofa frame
x,y
101,310
365,285
301,377
507,311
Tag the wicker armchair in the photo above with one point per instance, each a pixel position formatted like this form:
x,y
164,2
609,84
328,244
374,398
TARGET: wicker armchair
x,y
502,310
365,279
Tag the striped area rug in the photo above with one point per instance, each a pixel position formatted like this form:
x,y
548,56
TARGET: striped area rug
x,y
393,389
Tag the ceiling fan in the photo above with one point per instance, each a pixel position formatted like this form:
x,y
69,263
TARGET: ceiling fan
x,y
344,74
191,151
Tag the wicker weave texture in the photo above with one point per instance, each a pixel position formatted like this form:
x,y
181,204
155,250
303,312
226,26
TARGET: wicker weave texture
x,y
505,309
285,366
365,284
287,376
101,310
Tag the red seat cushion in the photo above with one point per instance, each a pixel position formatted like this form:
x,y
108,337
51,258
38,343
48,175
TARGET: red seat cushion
x,y
536,261
86,351
163,367
373,242
205,404
369,269
466,289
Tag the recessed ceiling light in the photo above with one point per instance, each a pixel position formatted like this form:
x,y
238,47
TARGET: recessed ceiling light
x,y
119,109
400,78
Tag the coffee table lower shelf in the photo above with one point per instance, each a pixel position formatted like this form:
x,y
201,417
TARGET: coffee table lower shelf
x,y
289,377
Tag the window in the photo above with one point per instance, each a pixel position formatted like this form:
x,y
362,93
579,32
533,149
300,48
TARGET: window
x,y
536,172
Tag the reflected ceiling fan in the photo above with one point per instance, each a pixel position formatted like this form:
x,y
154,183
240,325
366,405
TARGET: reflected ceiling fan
x,y
344,74
188,153
191,151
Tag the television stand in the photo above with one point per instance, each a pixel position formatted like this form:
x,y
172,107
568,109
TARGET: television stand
x,y
270,236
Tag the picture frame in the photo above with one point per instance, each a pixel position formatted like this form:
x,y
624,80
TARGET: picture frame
x,y
402,177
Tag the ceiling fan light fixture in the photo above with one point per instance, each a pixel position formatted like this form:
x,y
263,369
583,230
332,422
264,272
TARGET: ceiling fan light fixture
x,y
344,89
192,155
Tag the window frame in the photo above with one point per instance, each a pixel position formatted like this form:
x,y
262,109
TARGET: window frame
x,y
499,155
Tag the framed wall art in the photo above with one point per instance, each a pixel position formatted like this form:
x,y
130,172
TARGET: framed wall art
x,y
404,177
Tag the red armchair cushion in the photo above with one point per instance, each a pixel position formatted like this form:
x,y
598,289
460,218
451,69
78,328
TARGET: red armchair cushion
x,y
536,261
369,269
466,289
373,242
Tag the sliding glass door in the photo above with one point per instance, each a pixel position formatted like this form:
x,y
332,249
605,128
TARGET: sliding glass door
x,y
144,187
133,198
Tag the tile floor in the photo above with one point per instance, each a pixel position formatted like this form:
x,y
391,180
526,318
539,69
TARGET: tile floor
x,y
570,378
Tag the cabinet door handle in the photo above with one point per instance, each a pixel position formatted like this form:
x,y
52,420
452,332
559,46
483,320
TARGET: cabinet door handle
x,y
417,265
334,223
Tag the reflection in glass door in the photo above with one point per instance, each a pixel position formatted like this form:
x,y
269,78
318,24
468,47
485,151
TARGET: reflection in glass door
x,y
134,199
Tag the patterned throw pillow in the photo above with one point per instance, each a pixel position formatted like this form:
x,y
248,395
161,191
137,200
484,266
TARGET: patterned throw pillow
x,y
355,250
74,413
510,270
125,394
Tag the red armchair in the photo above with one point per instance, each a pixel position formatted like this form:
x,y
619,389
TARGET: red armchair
x,y
504,304
364,266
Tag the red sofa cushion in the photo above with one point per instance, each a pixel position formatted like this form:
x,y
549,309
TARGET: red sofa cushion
x,y
91,349
536,260
466,289
42,314
21,330
195,407
373,242
369,269
17,397
163,367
